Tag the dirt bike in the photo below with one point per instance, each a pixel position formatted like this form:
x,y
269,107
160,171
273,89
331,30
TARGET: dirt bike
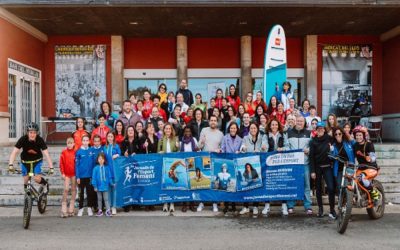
x,y
353,193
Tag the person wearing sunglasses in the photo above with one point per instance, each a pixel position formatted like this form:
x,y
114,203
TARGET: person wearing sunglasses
x,y
343,147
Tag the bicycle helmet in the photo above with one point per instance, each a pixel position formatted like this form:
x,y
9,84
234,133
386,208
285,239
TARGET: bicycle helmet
x,y
32,127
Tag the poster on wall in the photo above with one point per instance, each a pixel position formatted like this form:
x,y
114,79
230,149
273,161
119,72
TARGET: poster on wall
x,y
346,80
80,80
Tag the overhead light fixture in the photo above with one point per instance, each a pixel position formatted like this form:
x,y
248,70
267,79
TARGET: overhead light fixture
x,y
78,23
296,23
134,23
187,23
350,22
242,23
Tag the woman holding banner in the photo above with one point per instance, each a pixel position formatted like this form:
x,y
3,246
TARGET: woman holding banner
x,y
167,144
253,142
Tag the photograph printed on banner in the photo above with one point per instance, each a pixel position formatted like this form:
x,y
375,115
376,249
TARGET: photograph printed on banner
x,y
248,173
224,177
174,175
199,172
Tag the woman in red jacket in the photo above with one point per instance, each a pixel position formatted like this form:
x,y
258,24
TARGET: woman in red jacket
x,y
119,132
233,97
67,169
79,132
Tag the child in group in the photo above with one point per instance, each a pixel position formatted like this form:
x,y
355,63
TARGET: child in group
x,y
84,171
79,132
96,149
112,151
67,169
101,181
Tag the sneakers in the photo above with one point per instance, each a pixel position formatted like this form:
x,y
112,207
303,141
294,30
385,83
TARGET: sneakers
x,y
165,207
184,208
290,210
284,210
255,211
171,208
200,207
80,212
215,207
309,212
332,214
266,209
108,213
320,212
89,212
244,210
114,211
99,213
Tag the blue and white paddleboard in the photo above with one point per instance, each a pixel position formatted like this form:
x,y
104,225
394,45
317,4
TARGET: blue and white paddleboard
x,y
275,62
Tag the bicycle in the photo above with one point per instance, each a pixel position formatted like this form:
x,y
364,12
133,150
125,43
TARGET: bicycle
x,y
32,194
352,191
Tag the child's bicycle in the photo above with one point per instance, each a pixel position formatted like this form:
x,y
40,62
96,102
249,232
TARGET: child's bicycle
x,y
32,194
352,192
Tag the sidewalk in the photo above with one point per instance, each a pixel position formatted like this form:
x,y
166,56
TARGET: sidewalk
x,y
275,211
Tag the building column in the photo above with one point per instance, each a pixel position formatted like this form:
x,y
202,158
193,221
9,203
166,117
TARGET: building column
x,y
118,87
181,59
245,64
311,72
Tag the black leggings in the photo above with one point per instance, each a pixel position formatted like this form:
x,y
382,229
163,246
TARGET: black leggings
x,y
90,194
327,174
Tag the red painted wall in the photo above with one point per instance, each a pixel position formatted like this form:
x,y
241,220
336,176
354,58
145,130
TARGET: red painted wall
x,y
150,53
213,53
295,52
20,46
48,90
377,81
391,76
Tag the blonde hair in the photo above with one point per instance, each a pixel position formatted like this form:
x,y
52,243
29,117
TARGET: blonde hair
x,y
70,139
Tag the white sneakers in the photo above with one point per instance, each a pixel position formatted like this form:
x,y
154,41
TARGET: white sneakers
x,y
200,207
89,212
266,209
215,207
171,208
165,207
244,210
255,211
284,210
113,211
80,212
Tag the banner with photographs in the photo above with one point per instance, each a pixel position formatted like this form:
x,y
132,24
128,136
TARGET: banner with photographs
x,y
80,80
346,80
200,176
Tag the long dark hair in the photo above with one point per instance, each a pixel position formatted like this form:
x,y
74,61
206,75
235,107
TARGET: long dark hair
x,y
229,89
101,107
270,108
123,127
345,136
84,122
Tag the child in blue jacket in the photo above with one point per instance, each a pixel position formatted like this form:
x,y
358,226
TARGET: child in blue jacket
x,y
83,172
112,151
101,181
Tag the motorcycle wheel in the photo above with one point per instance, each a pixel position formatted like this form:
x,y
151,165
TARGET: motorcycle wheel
x,y
378,210
345,205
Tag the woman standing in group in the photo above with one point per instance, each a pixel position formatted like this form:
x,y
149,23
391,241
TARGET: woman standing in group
x,y
253,142
162,93
331,124
130,146
280,114
321,168
198,103
305,112
240,113
231,143
233,98
119,132
259,111
262,127
347,131
286,95
275,142
259,101
273,106
217,114
177,121
218,98
248,104
198,123
139,130
169,143
230,118
290,122
105,109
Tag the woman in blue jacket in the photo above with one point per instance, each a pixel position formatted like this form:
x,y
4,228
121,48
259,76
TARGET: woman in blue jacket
x,y
101,181
112,151
343,147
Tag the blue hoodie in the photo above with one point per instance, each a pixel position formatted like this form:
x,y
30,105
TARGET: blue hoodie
x,y
95,151
110,150
84,163
101,179
348,147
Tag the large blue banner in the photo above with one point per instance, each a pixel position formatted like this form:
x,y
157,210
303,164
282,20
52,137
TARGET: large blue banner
x,y
177,177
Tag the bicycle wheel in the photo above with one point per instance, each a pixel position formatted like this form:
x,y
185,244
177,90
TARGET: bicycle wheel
x,y
42,203
378,210
345,205
27,210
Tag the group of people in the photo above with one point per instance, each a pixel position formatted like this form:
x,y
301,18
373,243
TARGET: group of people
x,y
180,122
